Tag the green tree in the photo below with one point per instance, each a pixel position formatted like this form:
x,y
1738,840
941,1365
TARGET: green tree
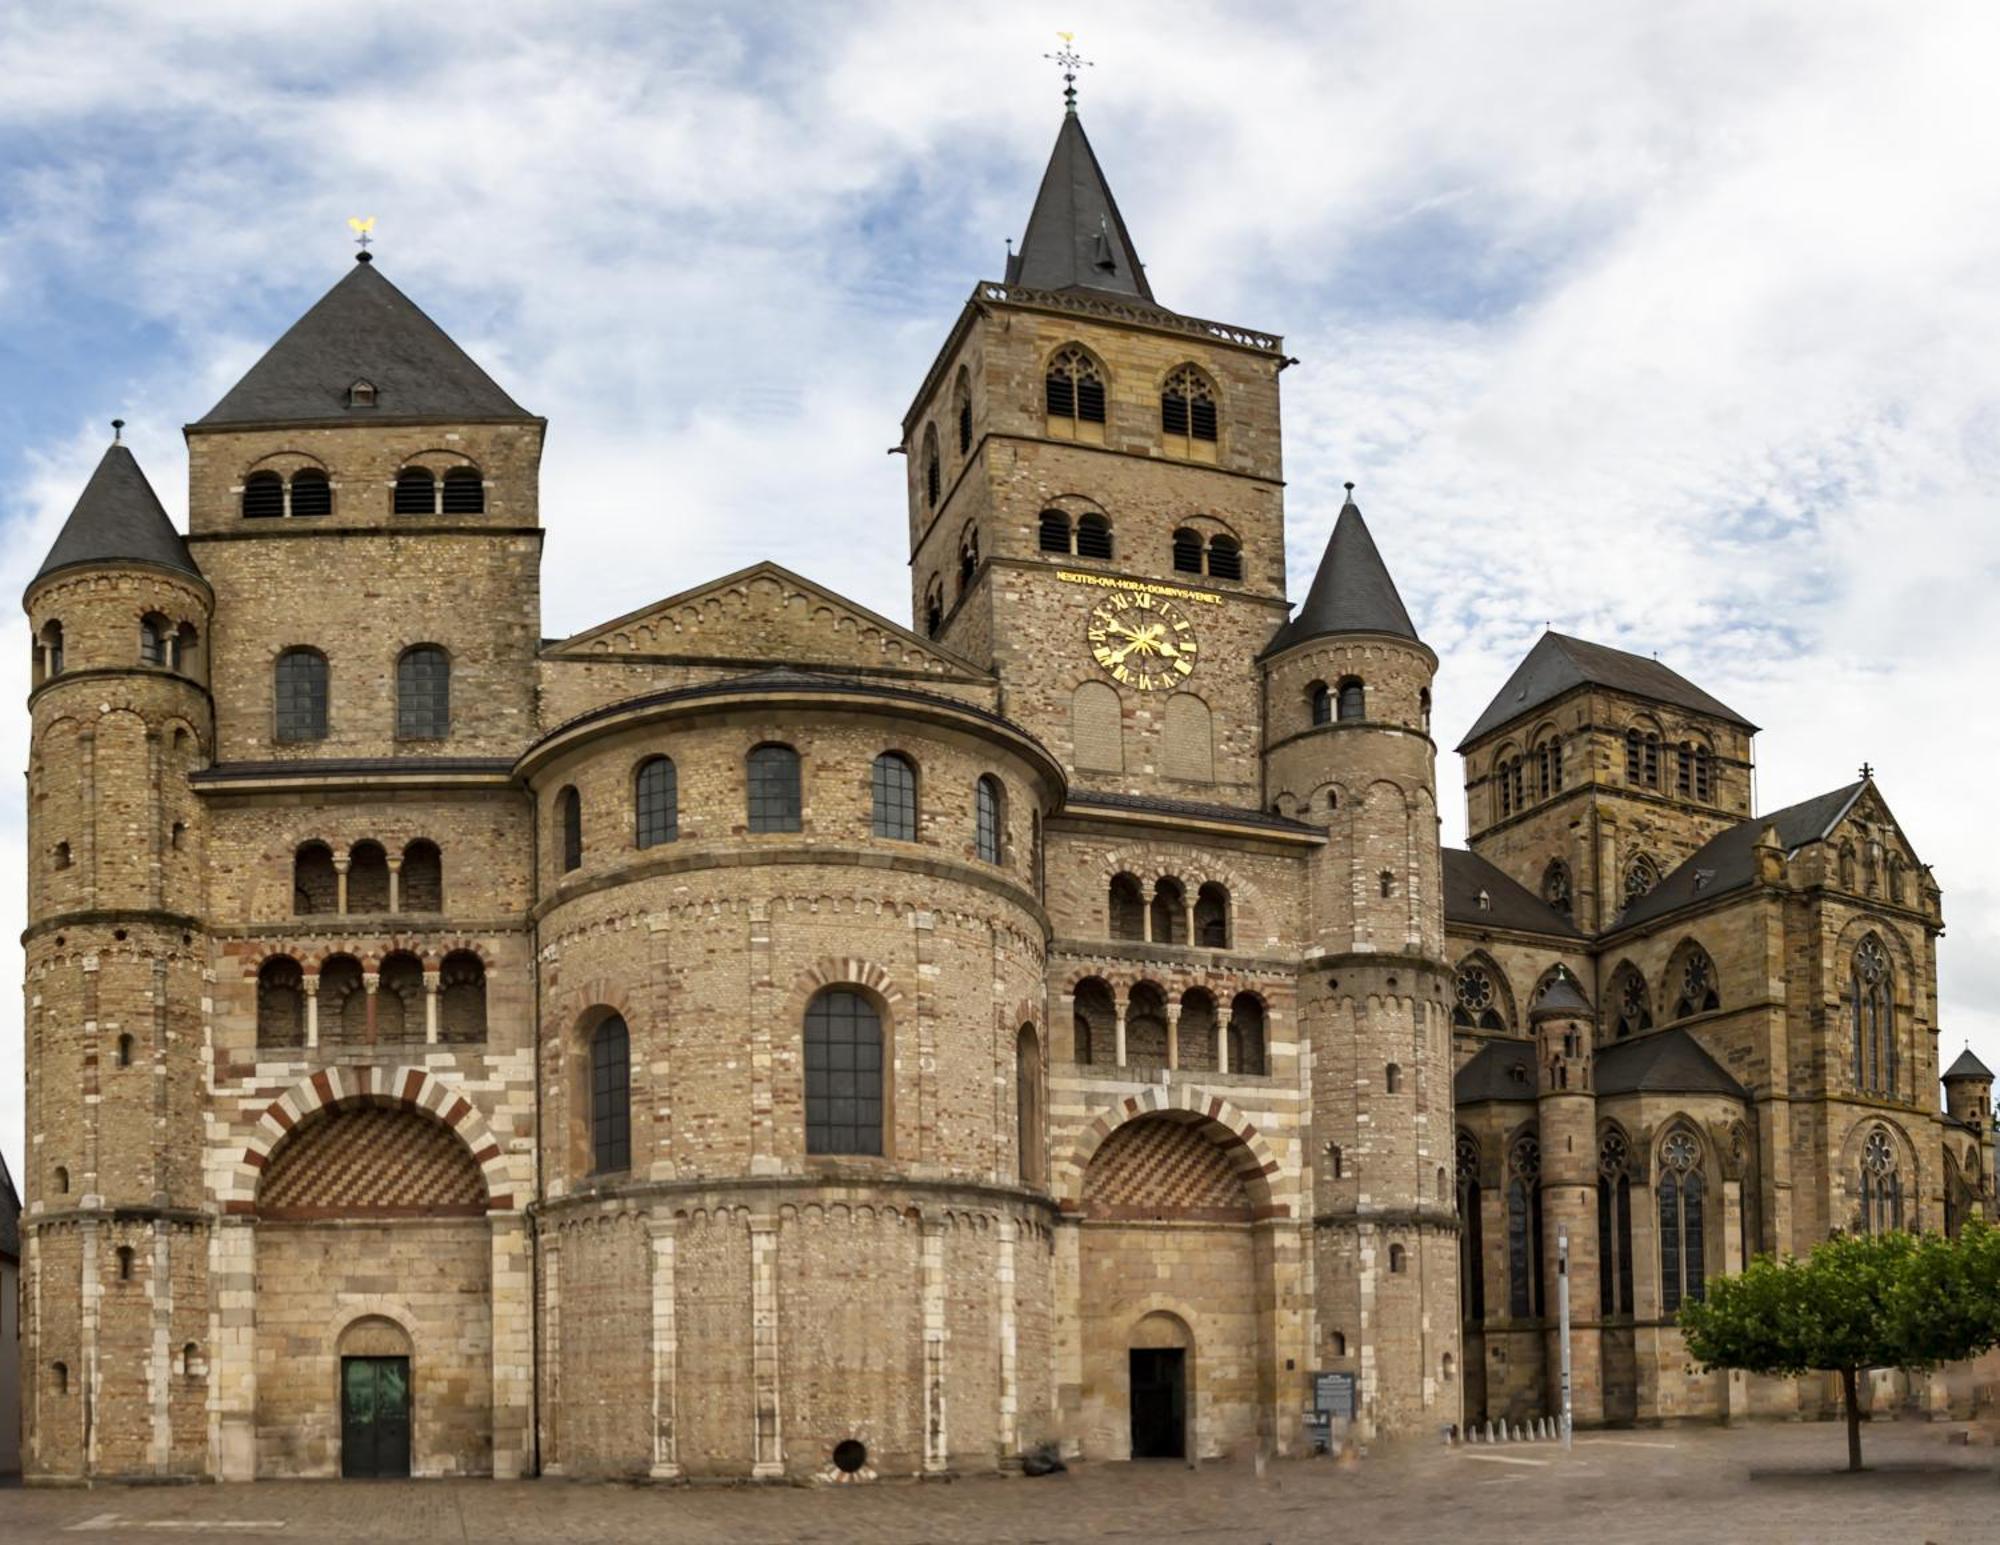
x,y
1858,1301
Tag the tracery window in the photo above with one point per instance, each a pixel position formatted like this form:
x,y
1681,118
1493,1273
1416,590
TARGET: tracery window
x,y
1471,1251
1634,1004
1187,409
1555,886
1682,1252
655,802
1641,875
1697,994
1870,984
1074,391
843,1067
893,787
1477,1006
1614,1223
775,804
610,1098
1881,1185
1524,1230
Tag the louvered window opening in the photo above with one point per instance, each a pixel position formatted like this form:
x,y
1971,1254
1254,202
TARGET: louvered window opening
x,y
774,802
656,803
933,479
894,787
301,695
1225,559
964,425
464,492
423,694
1052,532
1187,407
1093,537
416,492
843,1055
263,496
312,494
610,1098
1187,552
986,821
1074,387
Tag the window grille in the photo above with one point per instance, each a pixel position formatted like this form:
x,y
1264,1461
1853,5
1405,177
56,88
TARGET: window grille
x,y
656,802
843,1067
301,695
416,492
1187,552
1225,559
774,802
423,693
894,787
263,496
1053,532
464,492
1093,537
312,494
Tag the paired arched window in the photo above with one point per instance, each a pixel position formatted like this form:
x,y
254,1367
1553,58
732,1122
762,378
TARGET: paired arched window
x,y
1187,412
775,804
311,493
299,679
655,802
1089,538
263,496
1642,758
1524,1230
1698,994
1870,986
1319,701
1471,1247
988,818
1881,1188
1478,1003
1556,886
933,467
1683,1192
610,1097
1352,699
266,495
423,693
1221,557
893,791
461,491
1029,1138
569,818
1614,1223
1694,772
843,1065
1073,391
1631,1003
416,492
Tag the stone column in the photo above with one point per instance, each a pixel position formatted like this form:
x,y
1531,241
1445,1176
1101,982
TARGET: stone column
x,y
1120,1041
1222,1041
311,986
513,1300
395,884
1187,920
340,865
431,979
936,1439
1010,1369
769,1461
666,1352
232,1358
551,1404
1173,1036
371,982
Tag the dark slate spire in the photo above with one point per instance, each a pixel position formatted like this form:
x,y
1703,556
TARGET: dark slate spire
x,y
118,520
1351,593
1561,1001
1967,1066
364,331
1076,238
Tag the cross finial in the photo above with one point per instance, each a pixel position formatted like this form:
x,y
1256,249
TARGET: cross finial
x,y
1071,61
361,225
1867,771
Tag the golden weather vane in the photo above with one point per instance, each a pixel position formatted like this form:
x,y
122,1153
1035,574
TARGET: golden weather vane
x,y
361,225
1071,62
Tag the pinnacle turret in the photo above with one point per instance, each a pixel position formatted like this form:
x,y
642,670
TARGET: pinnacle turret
x,y
1351,593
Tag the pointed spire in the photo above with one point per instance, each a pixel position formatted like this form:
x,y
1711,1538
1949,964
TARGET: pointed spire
x,y
1967,1066
1076,239
364,332
118,519
1351,593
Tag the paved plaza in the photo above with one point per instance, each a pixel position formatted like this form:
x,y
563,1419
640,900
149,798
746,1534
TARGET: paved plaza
x,y
1763,1484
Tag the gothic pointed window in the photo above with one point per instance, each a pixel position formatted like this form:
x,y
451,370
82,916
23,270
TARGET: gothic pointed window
x,y
1524,1230
1477,1005
1697,985
1873,1018
1555,886
844,1066
775,803
299,680
1683,1274
893,787
962,411
1074,396
1187,412
1187,551
610,1098
655,802
1614,1223
1093,537
1471,1253
423,693
1632,1004
1881,1185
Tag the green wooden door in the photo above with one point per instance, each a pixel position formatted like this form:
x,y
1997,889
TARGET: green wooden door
x,y
374,1416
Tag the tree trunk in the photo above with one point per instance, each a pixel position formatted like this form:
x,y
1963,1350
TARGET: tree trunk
x,y
1849,1382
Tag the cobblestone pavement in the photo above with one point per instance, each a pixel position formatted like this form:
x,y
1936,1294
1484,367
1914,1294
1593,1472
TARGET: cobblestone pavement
x,y
1762,1484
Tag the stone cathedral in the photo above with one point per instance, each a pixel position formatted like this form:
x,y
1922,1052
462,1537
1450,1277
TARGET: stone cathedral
x,y
756,1038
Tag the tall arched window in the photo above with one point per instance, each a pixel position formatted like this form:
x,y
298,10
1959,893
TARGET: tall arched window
x,y
1869,985
422,884
1683,1273
933,608
1169,913
1697,985
281,1004
1353,699
610,1098
1127,908
1093,536
1319,699
1211,916
1477,1001
962,410
988,804
311,493
416,492
968,559
1187,551
1052,532
423,693
1029,1139
1246,1034
1074,393
569,815
933,467
1614,1223
1093,1022
655,803
893,786
1187,410
1632,1004
462,998
263,496
1524,1230
1881,1185
299,679
153,632
1549,764
1471,1249
463,493
315,881
844,1063
774,801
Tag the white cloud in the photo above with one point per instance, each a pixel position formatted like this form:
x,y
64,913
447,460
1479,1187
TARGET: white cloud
x,y
1669,325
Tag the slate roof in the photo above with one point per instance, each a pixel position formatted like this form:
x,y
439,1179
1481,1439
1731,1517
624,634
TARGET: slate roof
x,y
364,329
1500,1071
118,519
1563,1000
1351,593
1559,663
1076,239
1968,1066
1728,861
1513,905
1666,1061
1081,800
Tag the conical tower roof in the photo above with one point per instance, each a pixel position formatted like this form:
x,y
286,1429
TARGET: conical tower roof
x,y
118,519
1076,238
1967,1066
1351,593
364,329
1561,1001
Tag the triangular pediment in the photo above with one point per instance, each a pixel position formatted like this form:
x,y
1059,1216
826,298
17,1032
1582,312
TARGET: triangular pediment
x,y
766,615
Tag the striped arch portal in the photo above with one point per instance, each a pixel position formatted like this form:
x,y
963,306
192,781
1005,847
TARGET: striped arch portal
x,y
408,1088
1246,1149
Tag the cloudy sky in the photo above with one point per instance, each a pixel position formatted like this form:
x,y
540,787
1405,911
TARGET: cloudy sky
x,y
1676,326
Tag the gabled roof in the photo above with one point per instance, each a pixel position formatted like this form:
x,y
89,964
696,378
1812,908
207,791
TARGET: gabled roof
x,y
1351,593
1666,1061
364,329
1559,664
1499,1072
1728,861
1076,239
1509,903
118,519
1968,1066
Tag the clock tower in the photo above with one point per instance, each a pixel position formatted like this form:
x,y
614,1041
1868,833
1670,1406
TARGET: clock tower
x,y
1097,505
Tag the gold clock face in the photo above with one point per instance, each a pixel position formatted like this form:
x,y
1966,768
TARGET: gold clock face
x,y
1144,641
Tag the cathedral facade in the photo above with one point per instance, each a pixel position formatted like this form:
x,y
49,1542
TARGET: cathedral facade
x,y
755,1038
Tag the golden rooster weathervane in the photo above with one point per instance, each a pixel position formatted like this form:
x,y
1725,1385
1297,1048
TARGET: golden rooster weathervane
x,y
361,225
1071,62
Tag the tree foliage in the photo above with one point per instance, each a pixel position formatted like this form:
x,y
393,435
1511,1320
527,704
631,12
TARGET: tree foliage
x,y
1890,1300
